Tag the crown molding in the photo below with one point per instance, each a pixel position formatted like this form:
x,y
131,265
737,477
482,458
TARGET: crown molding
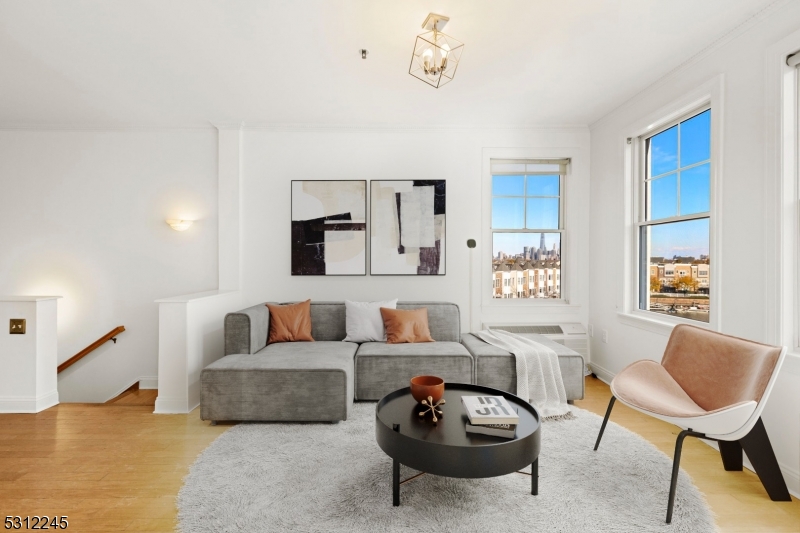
x,y
400,128
716,45
99,127
227,125
283,127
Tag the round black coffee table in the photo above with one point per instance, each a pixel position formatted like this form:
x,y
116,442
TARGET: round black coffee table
x,y
445,448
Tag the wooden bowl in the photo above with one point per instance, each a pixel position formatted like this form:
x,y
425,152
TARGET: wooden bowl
x,y
424,386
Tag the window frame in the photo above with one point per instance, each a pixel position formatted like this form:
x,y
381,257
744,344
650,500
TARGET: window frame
x,y
708,94
561,213
782,198
644,197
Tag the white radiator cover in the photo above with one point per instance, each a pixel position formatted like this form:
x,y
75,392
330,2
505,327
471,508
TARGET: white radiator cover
x,y
571,334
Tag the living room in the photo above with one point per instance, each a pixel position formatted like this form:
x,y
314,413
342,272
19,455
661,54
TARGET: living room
x,y
593,175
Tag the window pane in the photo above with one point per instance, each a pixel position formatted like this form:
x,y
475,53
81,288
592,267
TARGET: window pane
x,y
508,213
526,265
696,139
508,185
664,152
677,278
695,192
542,186
662,197
542,213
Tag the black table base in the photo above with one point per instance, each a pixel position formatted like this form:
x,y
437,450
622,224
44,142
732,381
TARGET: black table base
x,y
396,480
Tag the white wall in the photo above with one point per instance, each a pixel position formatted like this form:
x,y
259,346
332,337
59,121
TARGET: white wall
x,y
28,381
82,215
272,158
744,264
190,337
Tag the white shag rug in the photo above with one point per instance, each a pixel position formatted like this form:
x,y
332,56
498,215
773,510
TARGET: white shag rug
x,y
335,478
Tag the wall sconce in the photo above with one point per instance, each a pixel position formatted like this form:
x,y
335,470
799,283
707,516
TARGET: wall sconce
x,y
179,225
436,55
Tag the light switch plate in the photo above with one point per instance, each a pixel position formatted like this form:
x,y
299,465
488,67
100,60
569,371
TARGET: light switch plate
x,y
17,326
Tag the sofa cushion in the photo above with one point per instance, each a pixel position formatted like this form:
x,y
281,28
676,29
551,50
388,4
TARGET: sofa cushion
x,y
441,349
382,368
444,319
328,320
364,321
290,323
308,355
406,325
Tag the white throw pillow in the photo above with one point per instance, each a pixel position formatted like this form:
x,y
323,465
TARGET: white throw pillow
x,y
363,320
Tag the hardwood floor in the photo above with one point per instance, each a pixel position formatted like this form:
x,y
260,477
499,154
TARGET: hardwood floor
x,y
108,467
118,467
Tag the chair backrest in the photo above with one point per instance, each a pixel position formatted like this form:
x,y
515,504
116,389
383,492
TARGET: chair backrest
x,y
719,370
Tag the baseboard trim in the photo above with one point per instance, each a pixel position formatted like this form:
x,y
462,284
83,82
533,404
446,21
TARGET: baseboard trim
x,y
791,476
602,374
145,382
28,405
173,406
148,382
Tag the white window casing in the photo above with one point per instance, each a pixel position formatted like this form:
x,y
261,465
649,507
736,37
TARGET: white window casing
x,y
708,95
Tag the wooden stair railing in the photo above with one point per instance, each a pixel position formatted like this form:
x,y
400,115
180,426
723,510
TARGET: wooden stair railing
x,y
110,336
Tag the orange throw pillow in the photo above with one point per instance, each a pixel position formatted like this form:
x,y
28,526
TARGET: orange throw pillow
x,y
406,325
290,323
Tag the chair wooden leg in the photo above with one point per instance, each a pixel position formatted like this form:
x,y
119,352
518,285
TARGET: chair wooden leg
x,y
731,452
759,450
676,467
605,421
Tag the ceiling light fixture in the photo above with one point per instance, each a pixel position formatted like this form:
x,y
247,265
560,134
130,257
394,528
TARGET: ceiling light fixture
x,y
436,55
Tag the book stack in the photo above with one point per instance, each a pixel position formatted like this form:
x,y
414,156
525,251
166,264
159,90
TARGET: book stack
x,y
490,415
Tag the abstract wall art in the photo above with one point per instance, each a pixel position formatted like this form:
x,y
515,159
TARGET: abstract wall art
x,y
329,228
407,232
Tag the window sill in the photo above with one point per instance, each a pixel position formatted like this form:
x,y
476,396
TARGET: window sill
x,y
660,325
543,303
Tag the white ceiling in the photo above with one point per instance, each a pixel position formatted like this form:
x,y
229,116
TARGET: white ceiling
x,y
187,62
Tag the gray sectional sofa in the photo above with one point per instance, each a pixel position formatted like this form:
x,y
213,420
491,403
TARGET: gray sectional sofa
x,y
318,381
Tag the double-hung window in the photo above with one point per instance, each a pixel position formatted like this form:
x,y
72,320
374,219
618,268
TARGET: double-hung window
x,y
674,218
528,225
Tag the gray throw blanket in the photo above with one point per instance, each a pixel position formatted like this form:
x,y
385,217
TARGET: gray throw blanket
x,y
538,374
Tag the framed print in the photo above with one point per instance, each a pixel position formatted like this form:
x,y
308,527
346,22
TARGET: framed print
x,y
407,230
329,228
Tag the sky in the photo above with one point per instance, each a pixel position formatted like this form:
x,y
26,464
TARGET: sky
x,y
677,190
689,238
680,171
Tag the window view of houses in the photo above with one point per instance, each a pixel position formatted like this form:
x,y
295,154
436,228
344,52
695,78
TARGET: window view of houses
x,y
680,286
522,271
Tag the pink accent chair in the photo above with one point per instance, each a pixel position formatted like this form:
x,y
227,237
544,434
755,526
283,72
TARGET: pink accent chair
x,y
714,387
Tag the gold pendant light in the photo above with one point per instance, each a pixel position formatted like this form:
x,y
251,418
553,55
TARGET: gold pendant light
x,y
436,55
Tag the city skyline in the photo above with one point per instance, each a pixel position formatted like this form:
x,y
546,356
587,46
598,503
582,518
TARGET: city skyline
x,y
515,243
